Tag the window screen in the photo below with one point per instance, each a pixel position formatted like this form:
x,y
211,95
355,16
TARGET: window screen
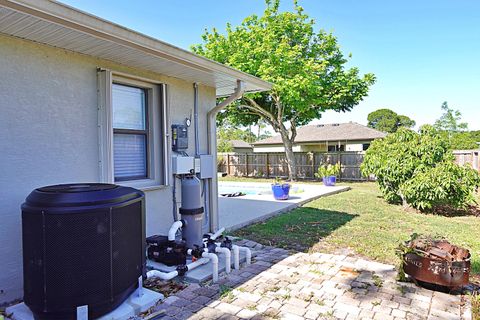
x,y
130,132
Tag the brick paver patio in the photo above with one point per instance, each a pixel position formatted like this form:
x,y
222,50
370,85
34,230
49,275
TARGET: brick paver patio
x,y
280,285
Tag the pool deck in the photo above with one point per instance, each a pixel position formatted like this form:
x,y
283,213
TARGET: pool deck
x,y
235,213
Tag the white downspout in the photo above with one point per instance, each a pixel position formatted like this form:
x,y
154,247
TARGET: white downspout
x,y
212,149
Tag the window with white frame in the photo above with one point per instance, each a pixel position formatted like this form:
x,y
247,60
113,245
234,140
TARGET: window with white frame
x,y
132,131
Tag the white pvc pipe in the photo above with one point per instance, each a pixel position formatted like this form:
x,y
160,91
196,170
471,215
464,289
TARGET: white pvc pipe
x,y
172,274
228,257
217,234
162,275
248,254
236,257
173,230
214,259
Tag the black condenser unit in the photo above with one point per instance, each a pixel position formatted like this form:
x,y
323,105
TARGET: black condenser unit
x,y
83,244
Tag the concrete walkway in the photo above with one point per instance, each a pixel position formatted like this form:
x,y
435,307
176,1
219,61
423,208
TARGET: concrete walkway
x,y
235,213
312,286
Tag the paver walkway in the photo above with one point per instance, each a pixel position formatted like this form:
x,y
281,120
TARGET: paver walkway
x,y
312,286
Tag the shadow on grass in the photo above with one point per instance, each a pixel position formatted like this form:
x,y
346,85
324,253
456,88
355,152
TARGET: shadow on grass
x,y
298,230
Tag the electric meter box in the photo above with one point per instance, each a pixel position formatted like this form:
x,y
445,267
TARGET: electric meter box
x,y
179,137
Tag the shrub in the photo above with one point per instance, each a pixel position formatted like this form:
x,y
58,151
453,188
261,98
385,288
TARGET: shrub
x,y
417,169
328,170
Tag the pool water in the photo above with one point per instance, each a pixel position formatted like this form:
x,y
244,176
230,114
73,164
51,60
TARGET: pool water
x,y
246,190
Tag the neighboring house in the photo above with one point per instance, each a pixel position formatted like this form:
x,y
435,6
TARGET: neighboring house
x,y
85,100
240,146
334,137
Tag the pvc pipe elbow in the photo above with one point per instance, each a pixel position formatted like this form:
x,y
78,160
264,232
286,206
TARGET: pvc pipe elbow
x,y
173,229
236,257
213,257
248,254
228,258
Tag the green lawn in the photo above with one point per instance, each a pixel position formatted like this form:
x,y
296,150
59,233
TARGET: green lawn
x,y
362,221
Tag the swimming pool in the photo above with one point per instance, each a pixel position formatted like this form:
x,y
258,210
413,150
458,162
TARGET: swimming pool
x,y
250,188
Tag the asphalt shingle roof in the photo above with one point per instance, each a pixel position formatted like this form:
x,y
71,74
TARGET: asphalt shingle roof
x,y
240,144
329,132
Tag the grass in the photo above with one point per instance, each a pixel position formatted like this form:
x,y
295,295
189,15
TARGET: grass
x,y
363,222
475,300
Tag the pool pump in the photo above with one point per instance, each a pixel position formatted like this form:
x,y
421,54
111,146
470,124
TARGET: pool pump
x,y
194,246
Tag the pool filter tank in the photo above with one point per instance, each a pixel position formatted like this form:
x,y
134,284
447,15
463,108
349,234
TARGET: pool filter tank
x,y
192,212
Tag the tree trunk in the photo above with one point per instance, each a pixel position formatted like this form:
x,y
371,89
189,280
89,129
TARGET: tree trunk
x,y
288,145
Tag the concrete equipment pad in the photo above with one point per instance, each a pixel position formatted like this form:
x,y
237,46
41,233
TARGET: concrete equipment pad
x,y
131,307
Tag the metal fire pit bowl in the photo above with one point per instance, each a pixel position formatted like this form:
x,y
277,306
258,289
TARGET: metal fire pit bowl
x,y
454,274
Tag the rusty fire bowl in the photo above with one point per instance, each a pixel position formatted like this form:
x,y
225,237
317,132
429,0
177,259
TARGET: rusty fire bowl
x,y
440,272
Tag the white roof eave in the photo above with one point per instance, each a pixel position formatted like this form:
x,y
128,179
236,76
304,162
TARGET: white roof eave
x,y
36,20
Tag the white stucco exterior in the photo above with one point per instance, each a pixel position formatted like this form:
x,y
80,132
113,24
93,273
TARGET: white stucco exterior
x,y
48,125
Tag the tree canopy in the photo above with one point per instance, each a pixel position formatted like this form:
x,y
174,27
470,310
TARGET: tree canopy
x,y
307,69
387,120
450,121
456,132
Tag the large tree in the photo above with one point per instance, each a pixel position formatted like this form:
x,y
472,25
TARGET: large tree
x,y
456,131
306,67
389,121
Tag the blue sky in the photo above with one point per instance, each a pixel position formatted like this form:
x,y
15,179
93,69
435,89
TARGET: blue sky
x,y
422,52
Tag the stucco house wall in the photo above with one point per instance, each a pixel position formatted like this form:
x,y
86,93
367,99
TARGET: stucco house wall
x,y
48,125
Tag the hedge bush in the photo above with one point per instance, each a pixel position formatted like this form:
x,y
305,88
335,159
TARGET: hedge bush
x,y
417,169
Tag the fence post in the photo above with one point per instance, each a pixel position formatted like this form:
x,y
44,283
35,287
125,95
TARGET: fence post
x,y
313,165
340,163
228,163
246,164
266,165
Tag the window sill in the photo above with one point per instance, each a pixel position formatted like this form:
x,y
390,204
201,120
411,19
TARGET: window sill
x,y
143,185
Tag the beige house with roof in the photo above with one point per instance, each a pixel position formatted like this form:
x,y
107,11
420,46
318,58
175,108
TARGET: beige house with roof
x,y
333,137
84,100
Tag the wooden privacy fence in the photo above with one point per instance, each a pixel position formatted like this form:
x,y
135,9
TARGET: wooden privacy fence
x,y
470,157
271,165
